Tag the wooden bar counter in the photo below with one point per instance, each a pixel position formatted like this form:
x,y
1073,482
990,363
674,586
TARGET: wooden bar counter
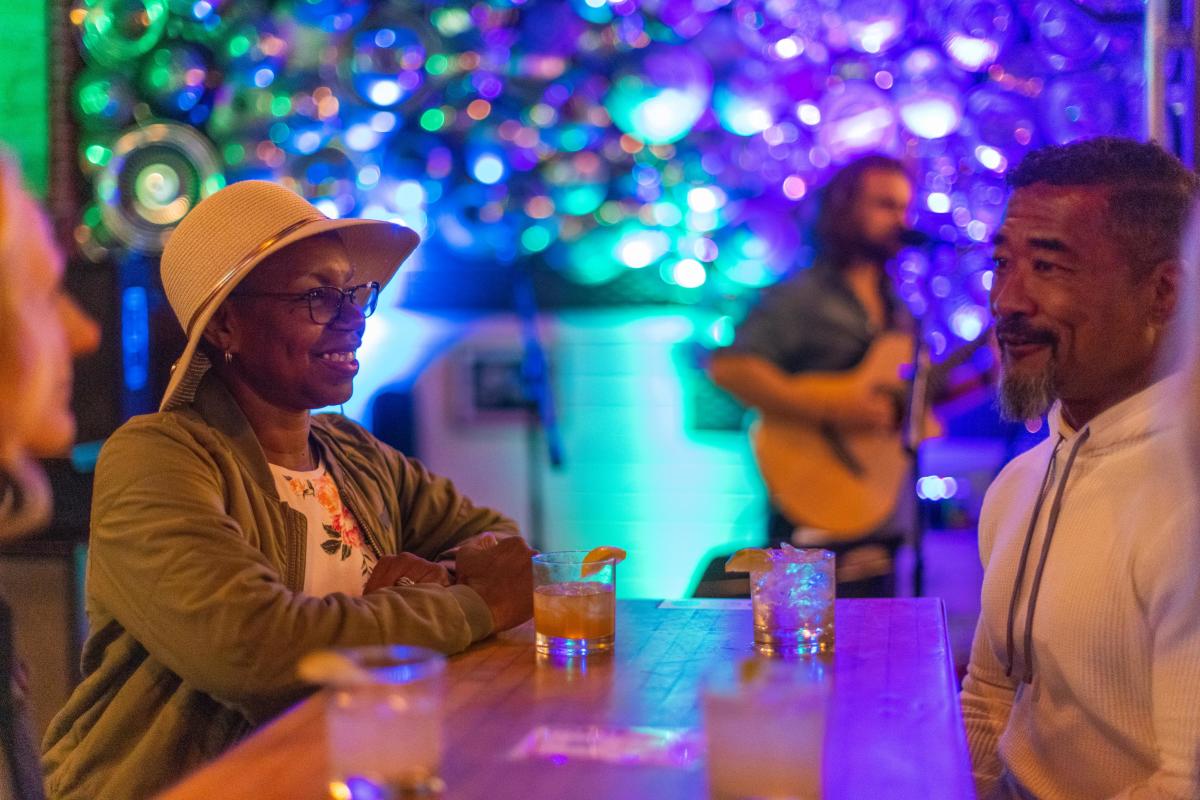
x,y
894,726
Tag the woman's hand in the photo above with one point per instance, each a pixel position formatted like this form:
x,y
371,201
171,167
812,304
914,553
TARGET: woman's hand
x,y
502,574
405,569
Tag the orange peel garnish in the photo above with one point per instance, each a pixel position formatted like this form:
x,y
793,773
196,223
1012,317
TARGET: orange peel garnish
x,y
749,559
593,562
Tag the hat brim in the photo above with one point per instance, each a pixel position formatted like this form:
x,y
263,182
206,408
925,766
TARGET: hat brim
x,y
376,249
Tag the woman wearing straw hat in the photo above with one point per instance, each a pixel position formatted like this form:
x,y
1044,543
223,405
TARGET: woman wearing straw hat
x,y
41,331
233,532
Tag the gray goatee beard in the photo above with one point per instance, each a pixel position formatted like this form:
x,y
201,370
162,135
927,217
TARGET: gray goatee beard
x,y
1024,397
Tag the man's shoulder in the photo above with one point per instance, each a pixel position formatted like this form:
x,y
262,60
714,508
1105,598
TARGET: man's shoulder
x,y
1032,462
806,292
806,282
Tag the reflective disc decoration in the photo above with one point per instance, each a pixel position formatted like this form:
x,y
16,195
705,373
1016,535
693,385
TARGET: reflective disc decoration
x,y
649,151
157,173
115,32
383,61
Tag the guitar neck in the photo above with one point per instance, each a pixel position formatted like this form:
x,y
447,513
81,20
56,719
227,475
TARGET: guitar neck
x,y
937,376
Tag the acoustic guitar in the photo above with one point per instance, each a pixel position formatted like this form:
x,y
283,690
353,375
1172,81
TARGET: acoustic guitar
x,y
847,482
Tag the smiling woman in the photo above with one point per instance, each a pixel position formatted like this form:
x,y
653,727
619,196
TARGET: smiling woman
x,y
234,532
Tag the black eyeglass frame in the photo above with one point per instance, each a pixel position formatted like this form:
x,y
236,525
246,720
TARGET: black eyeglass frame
x,y
367,308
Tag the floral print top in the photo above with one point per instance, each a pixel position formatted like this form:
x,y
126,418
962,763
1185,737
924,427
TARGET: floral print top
x,y
338,558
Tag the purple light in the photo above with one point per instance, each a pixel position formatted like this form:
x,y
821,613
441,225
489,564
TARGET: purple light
x,y
1067,38
975,31
931,113
578,119
1080,105
857,118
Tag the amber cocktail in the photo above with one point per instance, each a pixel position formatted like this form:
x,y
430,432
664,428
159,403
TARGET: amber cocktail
x,y
574,604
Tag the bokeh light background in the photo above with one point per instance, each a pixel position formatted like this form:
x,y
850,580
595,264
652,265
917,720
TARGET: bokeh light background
x,y
594,138
654,161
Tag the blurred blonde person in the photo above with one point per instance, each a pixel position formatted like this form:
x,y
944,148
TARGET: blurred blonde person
x,y
1189,338
41,330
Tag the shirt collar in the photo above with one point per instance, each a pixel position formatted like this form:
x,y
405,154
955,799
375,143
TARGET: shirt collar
x,y
1138,415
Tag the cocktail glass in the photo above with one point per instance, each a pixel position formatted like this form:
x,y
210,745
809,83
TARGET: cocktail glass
x,y
764,723
574,604
793,598
384,724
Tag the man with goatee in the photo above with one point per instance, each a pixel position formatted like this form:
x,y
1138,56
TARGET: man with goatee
x,y
1084,679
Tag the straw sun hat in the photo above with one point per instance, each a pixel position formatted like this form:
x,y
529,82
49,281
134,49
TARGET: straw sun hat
x,y
229,233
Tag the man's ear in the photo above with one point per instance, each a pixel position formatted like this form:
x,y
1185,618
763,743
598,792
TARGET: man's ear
x,y
1166,277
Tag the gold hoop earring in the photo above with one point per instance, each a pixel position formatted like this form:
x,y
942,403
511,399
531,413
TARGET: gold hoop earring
x,y
228,358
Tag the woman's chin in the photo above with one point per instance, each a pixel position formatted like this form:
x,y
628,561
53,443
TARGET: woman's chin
x,y
333,396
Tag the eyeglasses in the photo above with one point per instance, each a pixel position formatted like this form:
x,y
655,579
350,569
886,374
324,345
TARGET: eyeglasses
x,y
325,302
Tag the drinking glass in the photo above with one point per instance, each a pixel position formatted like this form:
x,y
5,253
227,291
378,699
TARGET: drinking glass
x,y
574,604
793,602
765,731
384,724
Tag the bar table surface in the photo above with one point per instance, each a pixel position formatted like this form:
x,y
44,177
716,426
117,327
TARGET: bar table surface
x,y
894,727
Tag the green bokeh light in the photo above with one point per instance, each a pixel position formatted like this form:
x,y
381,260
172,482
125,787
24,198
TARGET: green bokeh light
x,y
640,247
97,154
591,260
238,45
720,332
743,260
433,119
535,238
580,199
573,140
655,114
451,21
93,96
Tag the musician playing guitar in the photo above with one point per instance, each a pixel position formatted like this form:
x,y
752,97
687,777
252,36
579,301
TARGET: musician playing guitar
x,y
804,359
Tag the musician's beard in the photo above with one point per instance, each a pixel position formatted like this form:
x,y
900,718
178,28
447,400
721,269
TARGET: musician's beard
x,y
1025,397
879,252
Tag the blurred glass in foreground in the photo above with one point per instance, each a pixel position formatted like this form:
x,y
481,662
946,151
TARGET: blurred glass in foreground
x,y
383,719
764,723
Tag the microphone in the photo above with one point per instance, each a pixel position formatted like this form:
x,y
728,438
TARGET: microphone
x,y
911,237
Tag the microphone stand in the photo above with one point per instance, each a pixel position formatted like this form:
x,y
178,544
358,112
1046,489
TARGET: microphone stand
x,y
914,434
539,399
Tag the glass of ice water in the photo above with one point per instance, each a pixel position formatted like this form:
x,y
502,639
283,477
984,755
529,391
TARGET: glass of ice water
x,y
384,723
764,728
792,594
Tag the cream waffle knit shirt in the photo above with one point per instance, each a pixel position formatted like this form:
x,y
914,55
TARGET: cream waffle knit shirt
x,y
1114,707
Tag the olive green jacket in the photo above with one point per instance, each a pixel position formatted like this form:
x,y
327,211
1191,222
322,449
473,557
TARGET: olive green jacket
x,y
194,590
